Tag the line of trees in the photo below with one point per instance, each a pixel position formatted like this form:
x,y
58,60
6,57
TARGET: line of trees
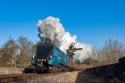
x,y
17,53
108,54
111,52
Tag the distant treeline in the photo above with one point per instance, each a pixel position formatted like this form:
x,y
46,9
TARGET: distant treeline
x,y
108,54
18,53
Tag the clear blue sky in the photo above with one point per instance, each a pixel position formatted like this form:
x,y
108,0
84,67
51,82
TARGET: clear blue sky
x,y
93,21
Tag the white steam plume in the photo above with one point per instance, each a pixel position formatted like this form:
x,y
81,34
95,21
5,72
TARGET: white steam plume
x,y
53,29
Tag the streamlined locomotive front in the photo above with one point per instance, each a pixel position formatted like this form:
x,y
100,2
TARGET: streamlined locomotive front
x,y
42,55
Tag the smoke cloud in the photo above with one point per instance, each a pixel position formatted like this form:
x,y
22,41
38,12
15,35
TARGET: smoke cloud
x,y
53,29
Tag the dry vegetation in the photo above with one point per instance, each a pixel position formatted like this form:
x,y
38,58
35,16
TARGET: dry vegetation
x,y
108,54
18,53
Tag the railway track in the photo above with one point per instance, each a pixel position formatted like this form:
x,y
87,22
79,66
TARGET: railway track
x,y
14,78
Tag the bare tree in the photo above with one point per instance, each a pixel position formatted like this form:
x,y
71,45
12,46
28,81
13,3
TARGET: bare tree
x,y
112,51
25,49
8,56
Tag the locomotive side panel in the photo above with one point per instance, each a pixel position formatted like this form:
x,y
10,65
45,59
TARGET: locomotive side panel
x,y
58,57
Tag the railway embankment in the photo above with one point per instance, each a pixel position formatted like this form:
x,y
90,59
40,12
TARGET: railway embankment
x,y
5,70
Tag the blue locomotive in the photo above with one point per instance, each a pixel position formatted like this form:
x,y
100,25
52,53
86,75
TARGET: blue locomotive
x,y
48,56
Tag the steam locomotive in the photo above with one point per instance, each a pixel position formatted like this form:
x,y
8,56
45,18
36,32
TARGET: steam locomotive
x,y
48,56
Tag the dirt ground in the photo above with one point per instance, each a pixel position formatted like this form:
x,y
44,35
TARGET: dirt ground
x,y
5,70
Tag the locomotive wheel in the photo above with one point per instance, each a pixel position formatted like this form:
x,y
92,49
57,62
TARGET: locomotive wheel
x,y
45,67
42,67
